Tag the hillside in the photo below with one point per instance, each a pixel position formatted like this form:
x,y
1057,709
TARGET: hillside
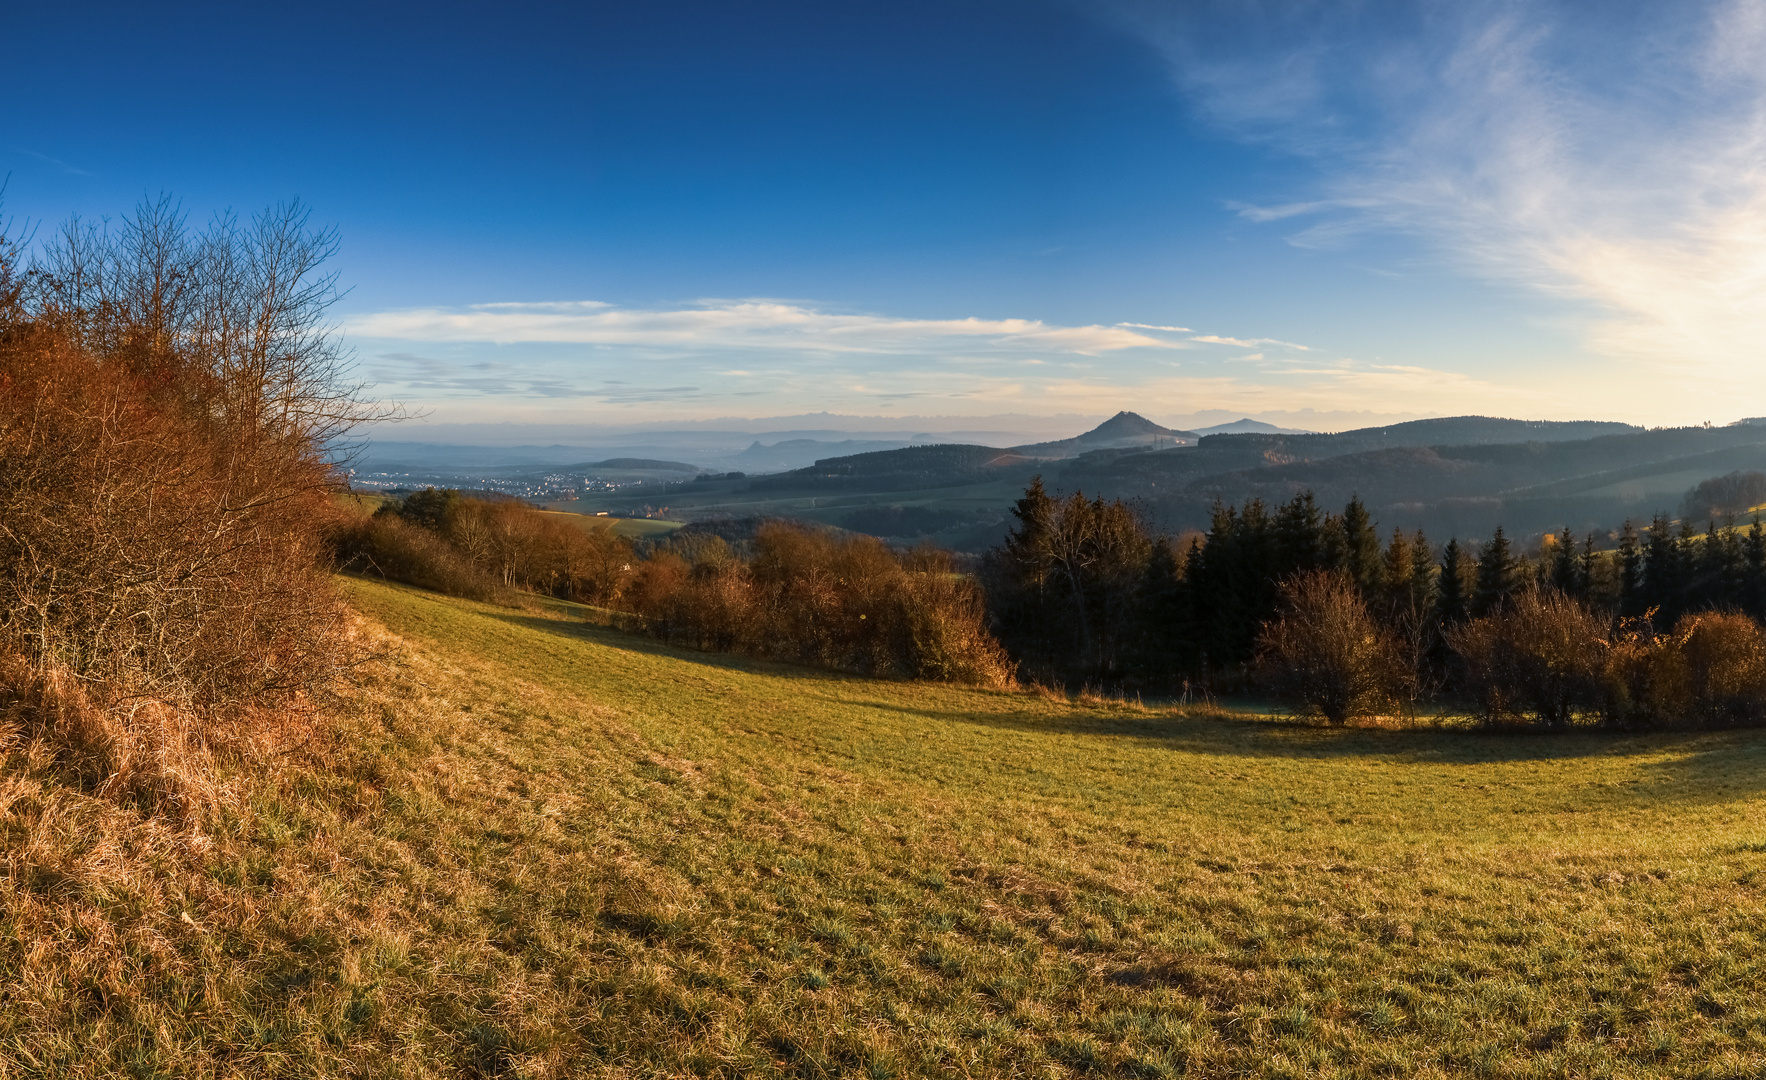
x,y
1466,488
910,468
549,850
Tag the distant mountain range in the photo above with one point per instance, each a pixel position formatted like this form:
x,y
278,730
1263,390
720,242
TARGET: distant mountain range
x,y
1453,476
1248,426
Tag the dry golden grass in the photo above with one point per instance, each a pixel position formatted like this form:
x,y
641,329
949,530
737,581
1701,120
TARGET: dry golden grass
x,y
543,849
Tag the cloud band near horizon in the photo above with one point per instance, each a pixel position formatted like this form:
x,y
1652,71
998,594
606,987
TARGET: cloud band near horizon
x,y
749,324
716,355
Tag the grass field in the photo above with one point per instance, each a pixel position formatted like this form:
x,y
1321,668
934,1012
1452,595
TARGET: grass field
x,y
543,849
712,500
630,528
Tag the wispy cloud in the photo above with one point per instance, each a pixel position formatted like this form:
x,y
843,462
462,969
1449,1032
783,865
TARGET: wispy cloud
x,y
515,358
739,324
71,170
1610,156
1152,326
1245,343
1261,214
431,378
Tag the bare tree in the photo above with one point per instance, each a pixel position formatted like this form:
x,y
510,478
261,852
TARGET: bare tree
x,y
175,408
1325,655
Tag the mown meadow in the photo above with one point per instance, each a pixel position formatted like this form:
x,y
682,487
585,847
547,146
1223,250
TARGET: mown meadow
x,y
540,848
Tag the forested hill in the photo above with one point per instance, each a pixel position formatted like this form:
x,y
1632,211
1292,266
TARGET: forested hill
x,y
910,468
1467,488
1467,430
1451,476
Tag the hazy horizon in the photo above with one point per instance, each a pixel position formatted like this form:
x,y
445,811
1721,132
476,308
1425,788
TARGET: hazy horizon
x,y
1055,426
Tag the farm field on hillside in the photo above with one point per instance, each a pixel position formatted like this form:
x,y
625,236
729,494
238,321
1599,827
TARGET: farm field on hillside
x,y
553,850
630,528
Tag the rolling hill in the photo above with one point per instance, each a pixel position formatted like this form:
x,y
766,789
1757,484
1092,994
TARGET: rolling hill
x,y
539,848
1452,476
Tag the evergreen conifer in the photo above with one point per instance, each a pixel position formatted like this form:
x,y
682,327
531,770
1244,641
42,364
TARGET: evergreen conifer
x,y
1450,591
1361,548
1496,576
1566,569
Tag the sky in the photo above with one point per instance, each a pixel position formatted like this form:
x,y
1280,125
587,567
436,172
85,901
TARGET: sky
x,y
1324,214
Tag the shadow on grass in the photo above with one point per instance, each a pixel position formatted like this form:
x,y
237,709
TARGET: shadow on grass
x,y
1254,736
615,638
1706,766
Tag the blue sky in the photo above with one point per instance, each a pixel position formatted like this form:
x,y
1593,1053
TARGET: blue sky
x,y
604,213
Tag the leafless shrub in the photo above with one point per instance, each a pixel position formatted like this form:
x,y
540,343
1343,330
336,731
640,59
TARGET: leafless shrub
x,y
1540,658
168,407
485,549
390,547
1710,671
1725,657
814,598
1327,657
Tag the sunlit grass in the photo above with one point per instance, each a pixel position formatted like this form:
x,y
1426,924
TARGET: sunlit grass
x,y
630,528
551,850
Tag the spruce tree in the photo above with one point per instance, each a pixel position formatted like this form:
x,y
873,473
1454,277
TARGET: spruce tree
x,y
1496,576
1754,573
1397,572
1662,565
1586,572
1450,592
1423,573
1020,603
1299,536
1216,592
1164,638
1566,570
1260,576
1632,599
1331,554
1361,548
1027,544
1722,570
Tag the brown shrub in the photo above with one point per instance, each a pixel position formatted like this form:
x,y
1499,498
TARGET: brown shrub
x,y
816,598
1327,658
1709,672
390,547
164,404
945,619
503,545
1542,657
1725,657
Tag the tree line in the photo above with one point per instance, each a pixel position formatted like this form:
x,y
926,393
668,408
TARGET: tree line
x,y
1082,591
1310,605
794,592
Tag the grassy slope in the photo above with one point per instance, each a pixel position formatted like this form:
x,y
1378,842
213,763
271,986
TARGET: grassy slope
x,y
365,503
552,850
631,528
